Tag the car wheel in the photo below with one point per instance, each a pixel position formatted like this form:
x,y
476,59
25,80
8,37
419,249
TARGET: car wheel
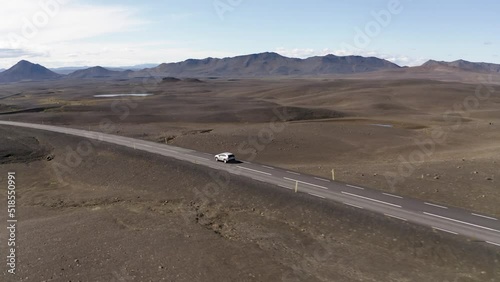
x,y
225,161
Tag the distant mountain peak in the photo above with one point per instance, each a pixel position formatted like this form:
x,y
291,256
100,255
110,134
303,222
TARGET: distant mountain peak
x,y
25,70
97,72
22,62
268,55
463,65
432,62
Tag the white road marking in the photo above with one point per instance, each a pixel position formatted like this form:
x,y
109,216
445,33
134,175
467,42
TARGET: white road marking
x,y
463,222
268,167
294,180
254,170
357,187
168,150
397,217
391,195
496,244
315,195
144,145
444,230
199,157
292,172
434,205
322,179
353,206
483,216
370,199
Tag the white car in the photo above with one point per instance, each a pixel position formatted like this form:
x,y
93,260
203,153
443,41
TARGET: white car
x,y
225,157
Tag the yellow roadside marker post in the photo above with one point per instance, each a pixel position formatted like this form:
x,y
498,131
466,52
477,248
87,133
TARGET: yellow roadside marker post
x,y
333,174
296,186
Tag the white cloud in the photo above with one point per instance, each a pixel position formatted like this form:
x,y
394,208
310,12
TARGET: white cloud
x,y
16,53
73,34
404,60
303,53
115,54
52,28
39,24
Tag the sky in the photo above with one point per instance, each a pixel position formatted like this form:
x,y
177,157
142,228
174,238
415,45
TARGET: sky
x,y
61,33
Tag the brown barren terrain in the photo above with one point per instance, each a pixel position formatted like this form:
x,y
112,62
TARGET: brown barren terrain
x,y
123,215
126,213
442,146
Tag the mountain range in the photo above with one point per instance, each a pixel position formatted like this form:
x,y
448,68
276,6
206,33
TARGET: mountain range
x,y
254,65
68,70
270,64
463,65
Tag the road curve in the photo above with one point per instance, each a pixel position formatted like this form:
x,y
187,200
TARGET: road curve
x,y
479,227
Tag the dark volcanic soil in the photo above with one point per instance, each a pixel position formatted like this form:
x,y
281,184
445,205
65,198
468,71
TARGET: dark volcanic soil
x,y
18,148
123,215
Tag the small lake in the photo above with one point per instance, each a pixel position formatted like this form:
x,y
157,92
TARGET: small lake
x,y
121,95
383,125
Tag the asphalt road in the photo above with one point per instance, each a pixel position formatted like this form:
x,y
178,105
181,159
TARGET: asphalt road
x,y
460,222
